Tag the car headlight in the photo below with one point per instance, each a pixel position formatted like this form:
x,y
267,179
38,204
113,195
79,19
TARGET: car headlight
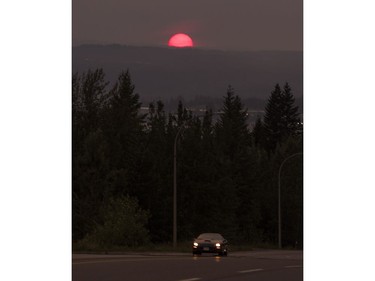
x,y
195,244
218,245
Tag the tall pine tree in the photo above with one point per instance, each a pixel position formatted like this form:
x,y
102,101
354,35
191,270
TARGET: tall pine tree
x,y
124,129
281,117
232,132
231,145
290,116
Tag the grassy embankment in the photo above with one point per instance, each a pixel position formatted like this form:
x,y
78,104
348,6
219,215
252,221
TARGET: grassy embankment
x,y
182,247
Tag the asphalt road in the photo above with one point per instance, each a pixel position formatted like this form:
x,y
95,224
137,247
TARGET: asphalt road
x,y
255,265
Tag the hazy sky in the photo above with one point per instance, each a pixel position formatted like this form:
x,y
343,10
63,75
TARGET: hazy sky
x,y
214,24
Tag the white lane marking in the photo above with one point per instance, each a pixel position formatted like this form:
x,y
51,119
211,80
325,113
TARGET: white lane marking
x,y
191,279
291,266
250,270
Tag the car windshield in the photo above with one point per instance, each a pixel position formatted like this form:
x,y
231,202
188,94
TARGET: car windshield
x,y
211,236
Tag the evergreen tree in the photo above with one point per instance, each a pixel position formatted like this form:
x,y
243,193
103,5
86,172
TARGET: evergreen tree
x,y
281,117
272,119
290,117
123,123
232,158
226,179
232,132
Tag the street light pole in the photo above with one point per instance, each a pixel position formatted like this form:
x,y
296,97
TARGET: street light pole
x,y
279,205
175,188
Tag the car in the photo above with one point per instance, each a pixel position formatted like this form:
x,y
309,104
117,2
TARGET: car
x,y
210,243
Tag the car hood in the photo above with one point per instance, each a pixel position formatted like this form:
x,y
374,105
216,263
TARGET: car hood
x,y
208,240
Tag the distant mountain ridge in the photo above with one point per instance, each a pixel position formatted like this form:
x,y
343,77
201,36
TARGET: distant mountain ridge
x,y
194,74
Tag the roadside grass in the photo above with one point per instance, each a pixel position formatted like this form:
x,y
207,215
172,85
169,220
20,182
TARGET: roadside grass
x,y
182,247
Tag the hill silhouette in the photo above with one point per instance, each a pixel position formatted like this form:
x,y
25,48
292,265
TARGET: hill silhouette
x,y
195,75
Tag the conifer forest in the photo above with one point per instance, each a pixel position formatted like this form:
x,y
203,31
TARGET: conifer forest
x,y
227,172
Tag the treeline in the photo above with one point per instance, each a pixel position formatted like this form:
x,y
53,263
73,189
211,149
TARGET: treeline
x,y
227,175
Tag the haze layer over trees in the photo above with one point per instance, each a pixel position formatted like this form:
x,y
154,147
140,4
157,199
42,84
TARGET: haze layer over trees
x,y
227,173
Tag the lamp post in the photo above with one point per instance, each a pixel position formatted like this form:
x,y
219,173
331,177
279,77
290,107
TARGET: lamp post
x,y
175,187
279,210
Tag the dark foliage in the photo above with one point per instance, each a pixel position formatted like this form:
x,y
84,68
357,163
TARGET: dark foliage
x,y
281,117
226,175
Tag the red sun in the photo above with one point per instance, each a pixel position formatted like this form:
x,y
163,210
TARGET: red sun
x,y
180,40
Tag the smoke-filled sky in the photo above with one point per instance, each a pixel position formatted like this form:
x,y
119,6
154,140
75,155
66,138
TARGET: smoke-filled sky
x,y
215,24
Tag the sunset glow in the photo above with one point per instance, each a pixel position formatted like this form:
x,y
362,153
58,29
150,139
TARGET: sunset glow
x,y
180,40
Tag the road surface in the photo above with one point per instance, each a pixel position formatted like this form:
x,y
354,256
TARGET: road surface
x,y
255,265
